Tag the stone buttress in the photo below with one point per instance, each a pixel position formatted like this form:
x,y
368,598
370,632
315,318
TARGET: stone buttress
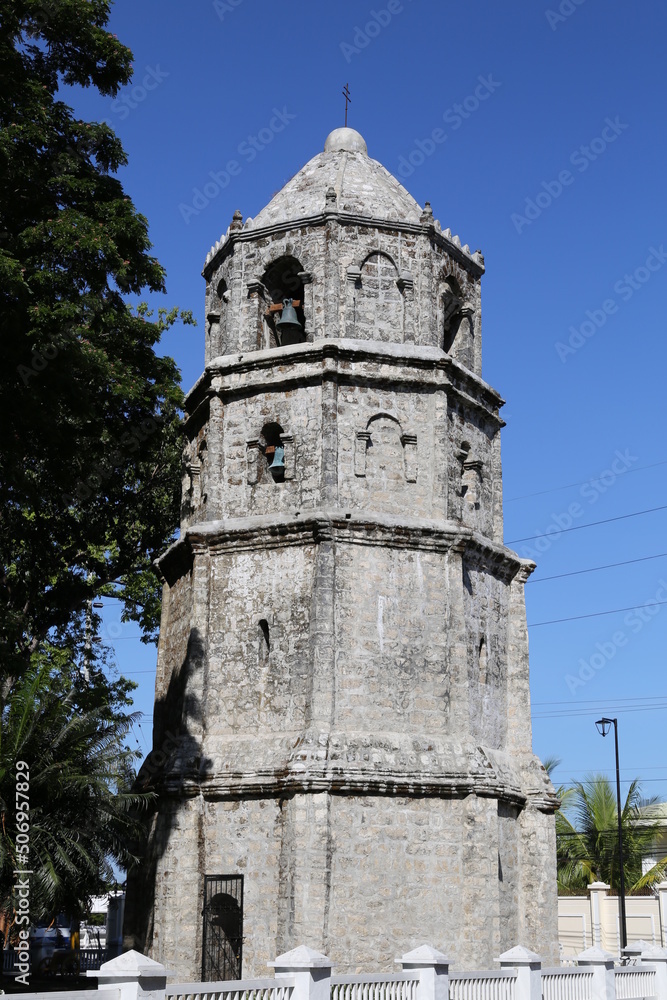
x,y
342,706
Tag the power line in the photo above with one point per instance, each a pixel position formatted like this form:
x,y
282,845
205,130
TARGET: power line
x,y
591,524
593,614
597,701
591,712
594,569
585,482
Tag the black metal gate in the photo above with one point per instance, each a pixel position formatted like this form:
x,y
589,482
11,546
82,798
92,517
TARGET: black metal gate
x,y
222,946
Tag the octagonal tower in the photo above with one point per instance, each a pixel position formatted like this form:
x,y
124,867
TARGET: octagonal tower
x,y
342,720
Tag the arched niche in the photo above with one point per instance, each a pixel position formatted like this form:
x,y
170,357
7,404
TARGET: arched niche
x,y
377,303
384,454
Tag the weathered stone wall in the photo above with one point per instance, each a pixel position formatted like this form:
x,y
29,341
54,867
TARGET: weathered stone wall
x,y
362,878
258,674
394,429
393,665
387,285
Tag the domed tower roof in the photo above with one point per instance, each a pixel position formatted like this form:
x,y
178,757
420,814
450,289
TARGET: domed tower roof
x,y
362,186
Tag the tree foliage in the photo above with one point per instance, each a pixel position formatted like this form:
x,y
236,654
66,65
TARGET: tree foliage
x,y
587,836
82,815
89,474
90,464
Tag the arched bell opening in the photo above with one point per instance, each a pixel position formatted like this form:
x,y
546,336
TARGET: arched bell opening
x,y
217,299
285,316
272,447
450,305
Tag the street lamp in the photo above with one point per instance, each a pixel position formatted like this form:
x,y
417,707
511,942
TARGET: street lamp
x,y
603,726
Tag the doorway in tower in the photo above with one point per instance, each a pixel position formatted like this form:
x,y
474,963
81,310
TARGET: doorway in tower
x,y
222,945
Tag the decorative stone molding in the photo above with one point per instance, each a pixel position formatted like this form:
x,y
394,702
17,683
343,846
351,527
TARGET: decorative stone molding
x,y
471,479
409,442
360,449
290,455
252,459
256,286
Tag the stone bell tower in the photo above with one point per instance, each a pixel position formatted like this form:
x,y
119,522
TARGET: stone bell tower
x,y
342,718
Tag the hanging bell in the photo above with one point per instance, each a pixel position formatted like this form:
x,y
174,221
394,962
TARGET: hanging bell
x,y
278,461
288,328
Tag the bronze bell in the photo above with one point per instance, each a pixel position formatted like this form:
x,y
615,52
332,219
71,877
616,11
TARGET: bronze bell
x,y
288,328
278,461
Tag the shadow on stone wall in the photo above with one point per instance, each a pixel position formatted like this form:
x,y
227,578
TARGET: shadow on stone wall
x,y
174,759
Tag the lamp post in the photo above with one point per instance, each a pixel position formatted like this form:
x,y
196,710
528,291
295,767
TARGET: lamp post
x,y
603,726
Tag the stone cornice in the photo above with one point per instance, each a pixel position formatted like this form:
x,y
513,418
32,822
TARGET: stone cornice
x,y
348,527
345,361
249,234
355,764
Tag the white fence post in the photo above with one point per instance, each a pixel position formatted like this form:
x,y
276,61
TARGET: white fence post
x,y
311,971
137,977
662,897
604,978
433,968
598,892
528,967
652,955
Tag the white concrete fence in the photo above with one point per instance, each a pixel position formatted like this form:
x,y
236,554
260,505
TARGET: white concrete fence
x,y
593,919
304,974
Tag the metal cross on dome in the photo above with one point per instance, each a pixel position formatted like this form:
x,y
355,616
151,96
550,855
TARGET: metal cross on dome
x,y
348,99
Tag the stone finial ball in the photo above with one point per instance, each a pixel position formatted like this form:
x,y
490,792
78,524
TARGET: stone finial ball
x,y
347,139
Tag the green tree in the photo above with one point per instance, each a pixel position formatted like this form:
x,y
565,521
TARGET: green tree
x,y
587,836
90,467
77,778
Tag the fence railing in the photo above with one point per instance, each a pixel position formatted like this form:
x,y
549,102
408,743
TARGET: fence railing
x,y
567,984
634,982
303,974
62,960
242,989
482,985
392,986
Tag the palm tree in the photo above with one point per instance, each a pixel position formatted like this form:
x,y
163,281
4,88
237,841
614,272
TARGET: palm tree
x,y
80,805
587,836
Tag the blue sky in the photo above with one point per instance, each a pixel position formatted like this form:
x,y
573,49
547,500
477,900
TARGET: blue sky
x,y
537,132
